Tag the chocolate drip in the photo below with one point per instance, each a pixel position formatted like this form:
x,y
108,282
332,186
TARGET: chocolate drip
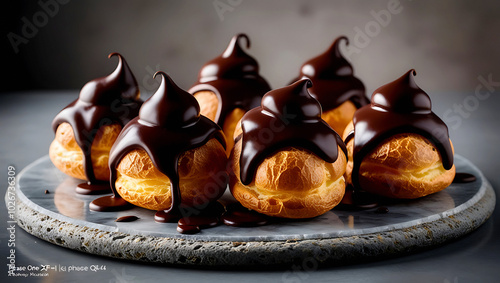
x,y
333,79
464,178
109,203
128,218
208,217
398,107
238,216
104,101
234,78
357,200
169,124
288,117
92,189
382,210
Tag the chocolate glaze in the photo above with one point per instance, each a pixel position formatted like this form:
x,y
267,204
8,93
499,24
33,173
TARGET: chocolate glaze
x,y
288,117
397,107
333,79
464,178
357,200
92,189
382,210
104,101
234,78
200,219
188,229
239,216
234,214
164,216
128,218
169,124
109,203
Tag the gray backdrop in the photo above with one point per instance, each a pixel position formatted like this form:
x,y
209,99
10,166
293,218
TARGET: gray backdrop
x,y
453,45
449,43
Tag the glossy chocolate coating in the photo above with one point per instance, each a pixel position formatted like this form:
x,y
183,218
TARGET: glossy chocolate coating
x,y
238,216
288,117
333,79
104,101
397,107
464,178
234,78
206,218
128,218
92,189
169,124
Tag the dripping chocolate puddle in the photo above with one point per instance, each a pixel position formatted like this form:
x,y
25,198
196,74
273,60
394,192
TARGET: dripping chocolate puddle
x,y
464,178
97,105
109,203
88,188
128,218
235,215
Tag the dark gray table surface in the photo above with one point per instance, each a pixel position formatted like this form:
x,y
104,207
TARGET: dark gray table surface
x,y
25,136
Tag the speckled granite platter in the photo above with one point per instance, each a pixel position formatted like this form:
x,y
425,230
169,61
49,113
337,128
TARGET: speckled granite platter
x,y
62,217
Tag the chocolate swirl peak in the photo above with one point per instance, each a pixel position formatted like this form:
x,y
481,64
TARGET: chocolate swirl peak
x,y
170,106
169,124
402,96
113,99
333,78
292,103
287,117
119,85
234,63
397,107
234,78
328,65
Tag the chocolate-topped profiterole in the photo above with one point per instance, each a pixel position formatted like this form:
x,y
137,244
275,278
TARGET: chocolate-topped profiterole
x,y
399,147
286,161
334,86
228,86
167,142
93,121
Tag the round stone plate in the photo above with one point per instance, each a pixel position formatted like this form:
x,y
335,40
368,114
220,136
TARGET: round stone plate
x,y
62,217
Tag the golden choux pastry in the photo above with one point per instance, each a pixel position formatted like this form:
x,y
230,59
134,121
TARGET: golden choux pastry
x,y
338,118
87,128
397,146
67,156
405,166
228,86
292,183
336,88
169,155
208,107
287,162
139,182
